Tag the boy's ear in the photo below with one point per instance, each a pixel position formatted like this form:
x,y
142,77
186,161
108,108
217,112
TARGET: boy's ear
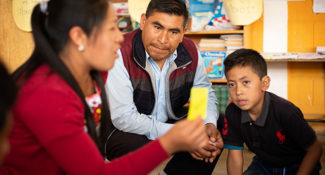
x,y
266,82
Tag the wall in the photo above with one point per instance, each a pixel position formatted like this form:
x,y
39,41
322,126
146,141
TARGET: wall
x,y
15,45
275,40
306,81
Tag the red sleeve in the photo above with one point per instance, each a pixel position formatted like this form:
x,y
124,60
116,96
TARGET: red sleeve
x,y
139,162
55,116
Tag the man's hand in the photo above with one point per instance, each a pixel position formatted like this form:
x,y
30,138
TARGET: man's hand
x,y
211,149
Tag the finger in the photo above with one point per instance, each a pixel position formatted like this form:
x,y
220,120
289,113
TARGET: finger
x,y
212,143
213,139
210,147
211,159
196,157
204,153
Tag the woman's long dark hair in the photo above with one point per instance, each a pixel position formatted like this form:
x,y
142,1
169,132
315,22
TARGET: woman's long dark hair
x,y
51,33
8,92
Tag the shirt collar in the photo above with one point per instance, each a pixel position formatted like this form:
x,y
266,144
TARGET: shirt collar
x,y
170,59
245,117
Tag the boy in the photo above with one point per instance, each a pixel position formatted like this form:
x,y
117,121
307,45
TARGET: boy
x,y
271,127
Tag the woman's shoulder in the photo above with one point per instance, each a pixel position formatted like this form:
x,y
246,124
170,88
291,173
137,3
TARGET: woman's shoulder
x,y
45,79
45,86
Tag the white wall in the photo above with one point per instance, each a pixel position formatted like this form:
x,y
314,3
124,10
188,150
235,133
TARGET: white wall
x,y
278,74
275,40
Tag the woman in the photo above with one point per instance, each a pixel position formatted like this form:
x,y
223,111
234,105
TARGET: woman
x,y
61,118
8,94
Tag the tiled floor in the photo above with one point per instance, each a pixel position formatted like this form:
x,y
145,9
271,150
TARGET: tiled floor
x,y
220,169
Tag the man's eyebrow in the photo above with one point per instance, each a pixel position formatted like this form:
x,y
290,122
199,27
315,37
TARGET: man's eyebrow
x,y
171,29
175,30
158,24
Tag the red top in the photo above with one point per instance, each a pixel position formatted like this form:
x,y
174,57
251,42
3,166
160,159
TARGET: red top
x,y
48,135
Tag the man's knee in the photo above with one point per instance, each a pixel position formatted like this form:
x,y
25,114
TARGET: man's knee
x,y
121,143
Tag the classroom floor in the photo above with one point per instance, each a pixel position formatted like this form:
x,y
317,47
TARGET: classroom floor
x,y
220,169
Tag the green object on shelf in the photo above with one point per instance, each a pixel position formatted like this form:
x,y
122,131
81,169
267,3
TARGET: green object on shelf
x,y
221,92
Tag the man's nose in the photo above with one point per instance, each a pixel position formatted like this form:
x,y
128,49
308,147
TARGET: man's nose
x,y
163,37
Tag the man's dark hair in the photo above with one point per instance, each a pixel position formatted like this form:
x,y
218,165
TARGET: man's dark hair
x,y
246,57
171,7
8,93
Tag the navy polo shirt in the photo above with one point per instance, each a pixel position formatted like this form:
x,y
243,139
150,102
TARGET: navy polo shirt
x,y
279,137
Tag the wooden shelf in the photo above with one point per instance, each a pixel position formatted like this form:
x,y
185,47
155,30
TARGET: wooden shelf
x,y
215,32
295,60
218,80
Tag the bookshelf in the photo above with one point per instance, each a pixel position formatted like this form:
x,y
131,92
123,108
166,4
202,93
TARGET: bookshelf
x,y
224,81
197,36
218,32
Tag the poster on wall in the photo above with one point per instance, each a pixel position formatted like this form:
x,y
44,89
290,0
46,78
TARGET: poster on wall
x,y
319,6
22,12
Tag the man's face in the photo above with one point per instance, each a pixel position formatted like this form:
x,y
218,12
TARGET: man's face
x,y
161,34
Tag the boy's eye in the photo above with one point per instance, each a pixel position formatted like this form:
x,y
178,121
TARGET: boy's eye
x,y
231,84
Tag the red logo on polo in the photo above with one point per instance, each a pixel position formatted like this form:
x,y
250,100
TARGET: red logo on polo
x,y
225,128
280,136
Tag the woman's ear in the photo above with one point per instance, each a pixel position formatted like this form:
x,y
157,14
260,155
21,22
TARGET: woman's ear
x,y
78,37
266,82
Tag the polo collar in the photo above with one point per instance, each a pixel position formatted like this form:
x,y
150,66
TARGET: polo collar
x,y
245,117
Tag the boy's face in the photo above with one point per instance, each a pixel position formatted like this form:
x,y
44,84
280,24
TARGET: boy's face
x,y
246,89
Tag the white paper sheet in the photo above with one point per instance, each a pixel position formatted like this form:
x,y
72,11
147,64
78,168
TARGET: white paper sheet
x,y
319,6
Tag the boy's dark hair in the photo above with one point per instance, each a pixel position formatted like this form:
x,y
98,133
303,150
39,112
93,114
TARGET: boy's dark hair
x,y
246,57
51,34
171,7
8,94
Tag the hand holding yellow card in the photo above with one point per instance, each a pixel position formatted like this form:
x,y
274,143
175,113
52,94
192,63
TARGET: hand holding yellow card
x,y
198,103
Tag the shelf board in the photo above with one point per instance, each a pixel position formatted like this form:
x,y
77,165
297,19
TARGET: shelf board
x,y
218,80
215,32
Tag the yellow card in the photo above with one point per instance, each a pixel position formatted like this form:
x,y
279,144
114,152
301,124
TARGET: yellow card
x,y
198,103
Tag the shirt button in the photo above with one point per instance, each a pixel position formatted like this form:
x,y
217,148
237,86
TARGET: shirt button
x,y
250,124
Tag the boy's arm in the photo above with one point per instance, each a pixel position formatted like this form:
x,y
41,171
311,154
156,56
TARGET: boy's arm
x,y
235,162
311,158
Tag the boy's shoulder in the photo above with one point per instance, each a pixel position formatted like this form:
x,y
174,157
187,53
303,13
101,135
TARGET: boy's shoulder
x,y
283,110
281,105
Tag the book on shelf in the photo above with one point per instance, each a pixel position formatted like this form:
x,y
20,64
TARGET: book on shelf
x,y
123,17
220,21
212,43
201,13
213,62
208,15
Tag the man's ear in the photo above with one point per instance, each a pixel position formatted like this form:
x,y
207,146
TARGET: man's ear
x,y
142,21
77,36
266,82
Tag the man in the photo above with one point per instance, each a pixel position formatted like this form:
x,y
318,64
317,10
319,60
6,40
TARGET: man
x,y
150,86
